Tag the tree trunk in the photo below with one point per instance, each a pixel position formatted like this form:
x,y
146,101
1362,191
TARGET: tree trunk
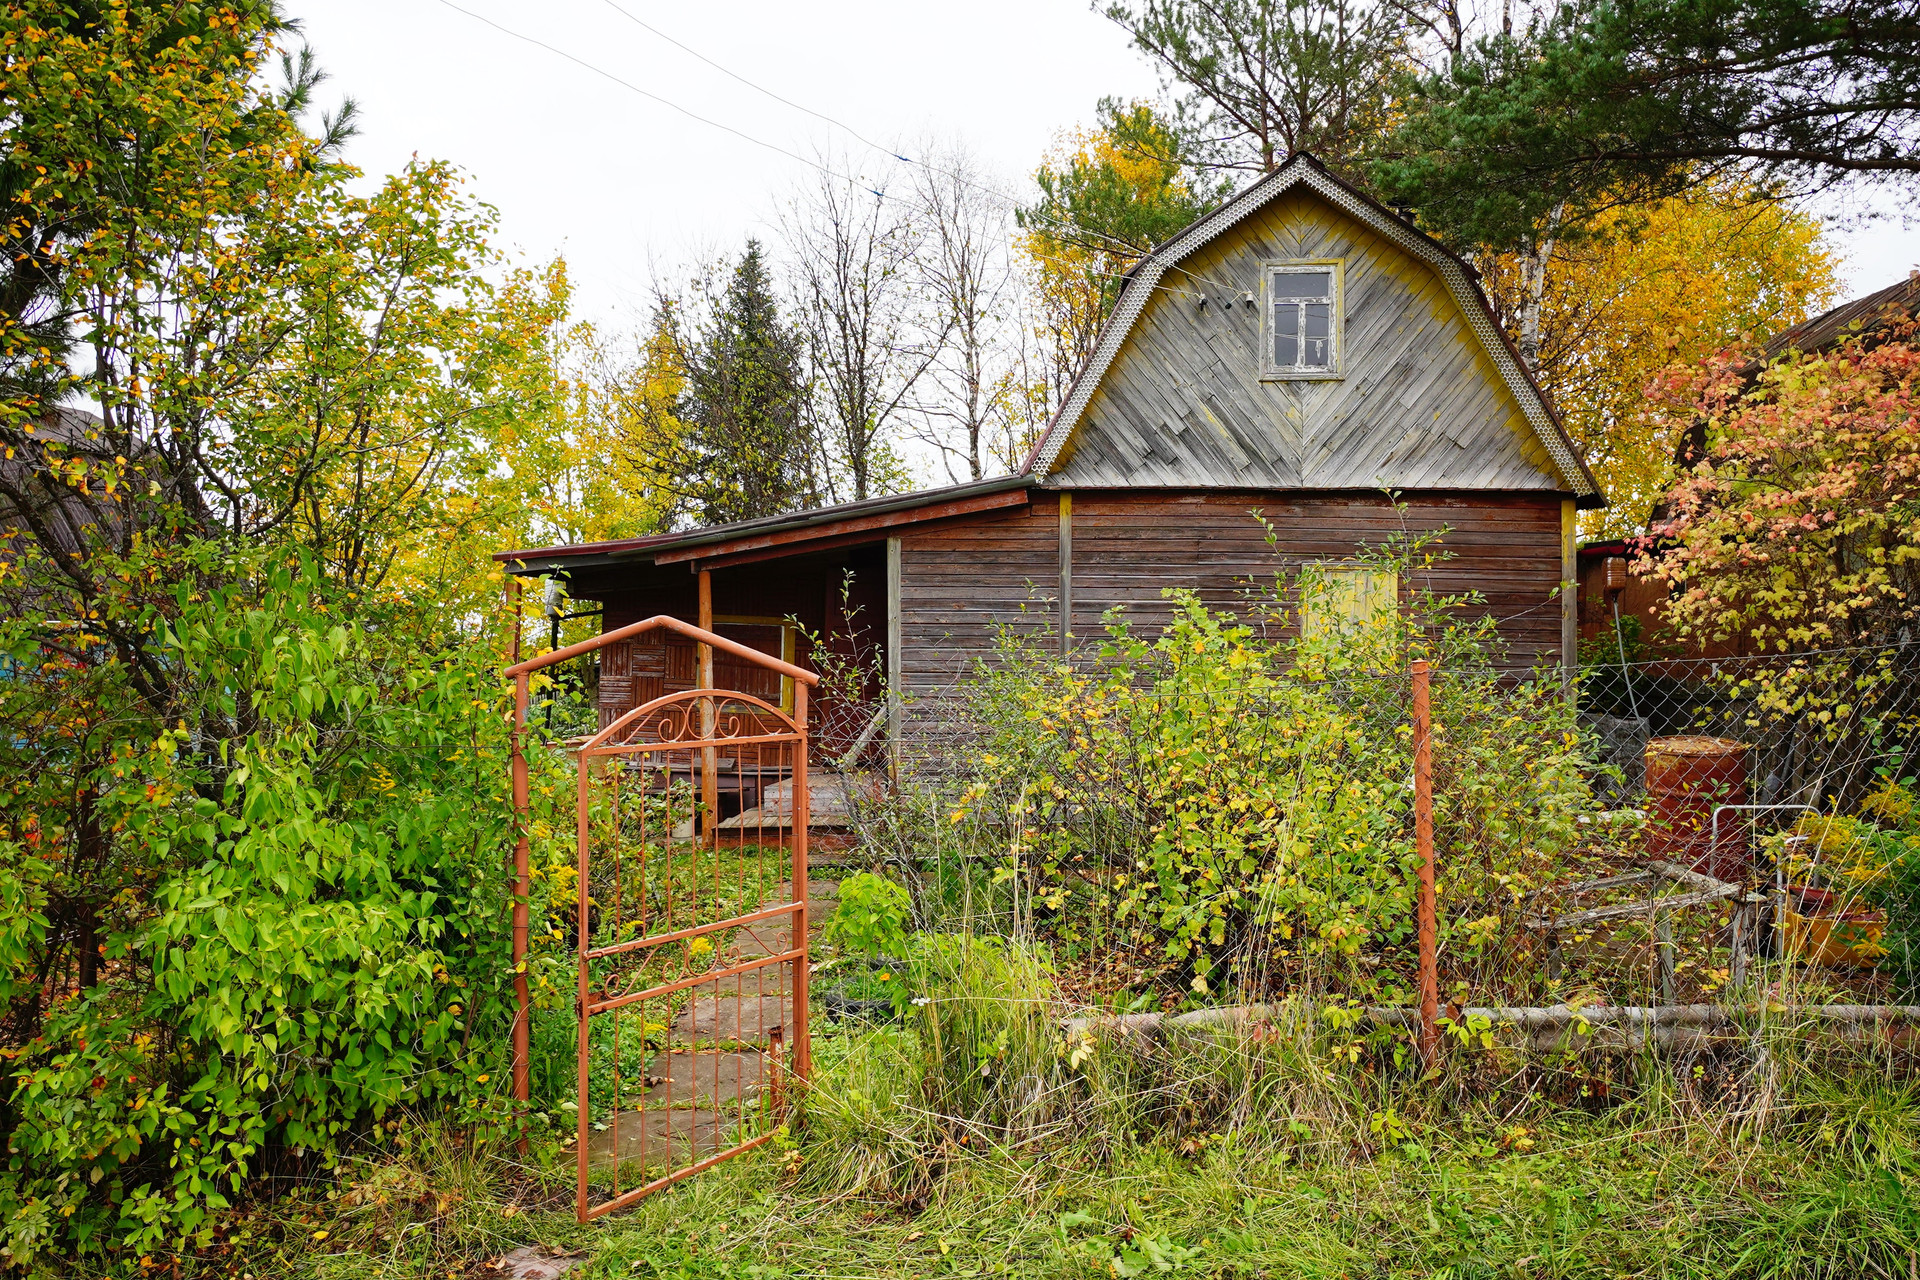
x,y
91,855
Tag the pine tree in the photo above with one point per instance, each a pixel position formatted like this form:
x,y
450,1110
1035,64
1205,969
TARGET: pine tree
x,y
750,455
1633,101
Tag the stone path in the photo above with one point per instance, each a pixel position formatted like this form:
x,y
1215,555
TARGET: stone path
x,y
704,1080
675,1122
735,1014
659,1142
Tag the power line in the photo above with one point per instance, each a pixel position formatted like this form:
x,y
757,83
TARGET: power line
x,y
757,88
869,142
815,164
627,84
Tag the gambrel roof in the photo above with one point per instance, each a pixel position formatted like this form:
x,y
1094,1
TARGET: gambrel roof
x,y
1259,450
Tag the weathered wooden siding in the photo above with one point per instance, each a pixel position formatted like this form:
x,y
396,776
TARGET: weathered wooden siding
x,y
1129,546
1420,404
959,584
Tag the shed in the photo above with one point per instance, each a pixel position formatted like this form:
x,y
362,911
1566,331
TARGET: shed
x,y
1644,598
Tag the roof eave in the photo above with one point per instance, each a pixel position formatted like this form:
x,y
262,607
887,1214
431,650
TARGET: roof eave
x,y
562,559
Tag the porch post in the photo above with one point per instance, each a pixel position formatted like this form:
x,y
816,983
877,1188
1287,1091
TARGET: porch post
x,y
896,660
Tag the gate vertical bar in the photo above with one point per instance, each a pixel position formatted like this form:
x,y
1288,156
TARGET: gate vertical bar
x,y
584,994
802,1044
522,881
1423,844
710,759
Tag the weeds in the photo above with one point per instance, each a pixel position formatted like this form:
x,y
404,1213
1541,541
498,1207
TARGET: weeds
x,y
976,1138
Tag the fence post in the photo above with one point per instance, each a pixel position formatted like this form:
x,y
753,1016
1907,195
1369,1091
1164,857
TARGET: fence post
x,y
1423,843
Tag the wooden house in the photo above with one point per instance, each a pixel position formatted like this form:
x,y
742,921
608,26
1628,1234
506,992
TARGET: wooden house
x,y
1298,352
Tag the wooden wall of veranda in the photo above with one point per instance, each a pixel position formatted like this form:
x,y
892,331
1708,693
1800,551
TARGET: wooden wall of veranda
x,y
963,582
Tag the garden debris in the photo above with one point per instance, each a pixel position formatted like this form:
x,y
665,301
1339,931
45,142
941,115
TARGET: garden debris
x,y
536,1262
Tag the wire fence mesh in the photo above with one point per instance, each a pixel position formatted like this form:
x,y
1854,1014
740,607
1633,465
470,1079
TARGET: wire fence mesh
x,y
1650,833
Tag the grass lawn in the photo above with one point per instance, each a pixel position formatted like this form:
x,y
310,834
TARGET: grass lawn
x,y
1820,1184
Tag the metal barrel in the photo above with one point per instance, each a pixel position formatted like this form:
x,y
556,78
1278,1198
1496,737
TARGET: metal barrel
x,y
1686,777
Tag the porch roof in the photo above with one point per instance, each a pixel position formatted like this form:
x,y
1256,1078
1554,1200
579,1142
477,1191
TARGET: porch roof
x,y
772,536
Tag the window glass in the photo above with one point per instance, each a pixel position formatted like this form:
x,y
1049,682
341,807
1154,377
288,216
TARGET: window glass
x,y
1302,285
1302,319
1286,336
1314,351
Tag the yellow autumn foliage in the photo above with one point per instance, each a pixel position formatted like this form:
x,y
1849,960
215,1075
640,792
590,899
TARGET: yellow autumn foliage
x,y
579,442
1110,193
1659,286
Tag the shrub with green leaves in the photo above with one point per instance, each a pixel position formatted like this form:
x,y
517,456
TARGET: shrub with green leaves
x,y
307,929
870,919
1241,801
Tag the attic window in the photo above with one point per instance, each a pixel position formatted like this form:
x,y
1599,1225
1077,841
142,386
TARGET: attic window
x,y
1302,320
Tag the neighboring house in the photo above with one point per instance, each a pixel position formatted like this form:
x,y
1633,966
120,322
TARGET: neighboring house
x,y
1643,598
68,518
1297,352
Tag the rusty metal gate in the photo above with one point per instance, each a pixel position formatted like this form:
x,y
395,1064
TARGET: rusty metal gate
x,y
690,925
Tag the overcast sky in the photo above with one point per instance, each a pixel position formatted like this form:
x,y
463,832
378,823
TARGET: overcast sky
x,y
623,185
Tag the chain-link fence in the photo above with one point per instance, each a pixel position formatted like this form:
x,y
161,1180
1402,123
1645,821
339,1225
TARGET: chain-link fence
x,y
1781,779
1817,729
1673,832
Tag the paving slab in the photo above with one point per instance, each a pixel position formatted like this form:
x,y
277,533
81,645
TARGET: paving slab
x,y
660,1141
818,889
535,1262
745,1018
706,1080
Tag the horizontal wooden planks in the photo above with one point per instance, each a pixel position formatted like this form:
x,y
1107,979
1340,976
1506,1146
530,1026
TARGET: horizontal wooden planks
x,y
1128,547
959,586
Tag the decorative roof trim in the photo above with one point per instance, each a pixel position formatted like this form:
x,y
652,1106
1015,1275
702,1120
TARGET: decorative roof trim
x,y
1305,171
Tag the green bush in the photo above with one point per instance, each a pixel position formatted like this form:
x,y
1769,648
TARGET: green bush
x,y
1241,801
1877,856
870,919
308,930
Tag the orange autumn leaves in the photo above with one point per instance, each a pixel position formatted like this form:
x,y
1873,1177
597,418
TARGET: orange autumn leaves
x,y
1651,288
1800,529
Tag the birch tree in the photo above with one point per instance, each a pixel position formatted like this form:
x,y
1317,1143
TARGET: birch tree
x,y
974,406
853,249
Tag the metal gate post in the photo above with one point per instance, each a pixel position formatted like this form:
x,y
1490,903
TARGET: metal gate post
x,y
584,993
522,881
802,1043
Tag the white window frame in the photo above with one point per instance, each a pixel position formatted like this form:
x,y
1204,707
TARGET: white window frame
x,y
1336,327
